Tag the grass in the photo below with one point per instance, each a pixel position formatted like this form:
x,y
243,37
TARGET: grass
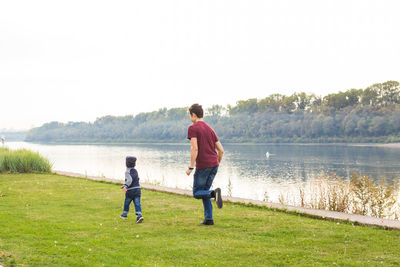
x,y
22,161
52,220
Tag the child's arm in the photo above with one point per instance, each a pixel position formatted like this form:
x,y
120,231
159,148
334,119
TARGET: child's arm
x,y
128,181
124,188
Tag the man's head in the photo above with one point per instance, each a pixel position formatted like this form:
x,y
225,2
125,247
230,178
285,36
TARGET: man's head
x,y
196,112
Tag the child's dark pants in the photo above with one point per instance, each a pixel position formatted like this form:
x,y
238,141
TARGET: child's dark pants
x,y
133,195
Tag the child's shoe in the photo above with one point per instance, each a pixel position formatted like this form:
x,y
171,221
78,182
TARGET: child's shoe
x,y
124,216
207,222
139,219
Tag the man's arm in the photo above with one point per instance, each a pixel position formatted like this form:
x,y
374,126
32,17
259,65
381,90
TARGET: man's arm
x,y
194,151
220,150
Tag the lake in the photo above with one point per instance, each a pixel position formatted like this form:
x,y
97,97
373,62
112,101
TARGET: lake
x,y
245,171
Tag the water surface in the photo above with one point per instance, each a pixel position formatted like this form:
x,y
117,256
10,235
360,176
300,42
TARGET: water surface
x,y
246,171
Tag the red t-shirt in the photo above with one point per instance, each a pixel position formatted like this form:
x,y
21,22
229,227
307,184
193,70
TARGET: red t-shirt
x,y
207,157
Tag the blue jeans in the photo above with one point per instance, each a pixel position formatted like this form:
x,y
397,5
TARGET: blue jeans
x,y
133,195
201,189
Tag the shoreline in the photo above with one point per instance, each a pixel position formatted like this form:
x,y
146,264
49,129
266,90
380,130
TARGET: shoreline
x,y
387,145
172,142
390,145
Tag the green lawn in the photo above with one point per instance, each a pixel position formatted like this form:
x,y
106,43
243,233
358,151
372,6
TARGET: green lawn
x,y
52,220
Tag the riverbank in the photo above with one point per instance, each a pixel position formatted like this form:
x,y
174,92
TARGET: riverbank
x,y
56,220
391,145
310,142
330,141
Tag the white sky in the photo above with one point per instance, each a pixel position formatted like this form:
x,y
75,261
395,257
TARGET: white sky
x,y
79,60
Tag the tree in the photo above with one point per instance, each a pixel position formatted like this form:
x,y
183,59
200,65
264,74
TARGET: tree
x,y
370,96
336,101
177,113
378,126
289,103
303,101
215,111
390,92
245,106
353,96
271,103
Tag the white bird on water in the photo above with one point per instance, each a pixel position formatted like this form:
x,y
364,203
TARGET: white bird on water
x,y
267,155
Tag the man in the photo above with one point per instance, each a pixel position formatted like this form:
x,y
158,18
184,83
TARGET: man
x,y
204,143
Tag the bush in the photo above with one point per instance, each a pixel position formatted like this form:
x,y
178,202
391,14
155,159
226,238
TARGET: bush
x,y
22,161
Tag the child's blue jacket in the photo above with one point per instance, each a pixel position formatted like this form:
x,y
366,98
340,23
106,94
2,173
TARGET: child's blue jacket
x,y
131,179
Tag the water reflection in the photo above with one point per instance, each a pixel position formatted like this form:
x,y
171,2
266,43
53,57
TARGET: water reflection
x,y
246,167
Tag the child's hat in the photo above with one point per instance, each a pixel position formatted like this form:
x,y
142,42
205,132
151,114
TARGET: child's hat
x,y
130,161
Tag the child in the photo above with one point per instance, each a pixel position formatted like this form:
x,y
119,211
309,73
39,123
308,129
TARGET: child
x,y
132,190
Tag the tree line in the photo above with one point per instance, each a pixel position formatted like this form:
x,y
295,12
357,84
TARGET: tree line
x,y
356,115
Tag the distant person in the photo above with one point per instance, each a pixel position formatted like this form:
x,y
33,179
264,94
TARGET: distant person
x,y
3,139
132,190
204,143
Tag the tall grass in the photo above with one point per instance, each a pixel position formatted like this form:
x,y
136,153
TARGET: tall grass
x,y
358,195
22,161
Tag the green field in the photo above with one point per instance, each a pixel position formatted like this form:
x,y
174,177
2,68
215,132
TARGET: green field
x,y
52,220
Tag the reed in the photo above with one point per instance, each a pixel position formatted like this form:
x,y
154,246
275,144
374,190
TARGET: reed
x,y
358,195
23,161
230,187
375,199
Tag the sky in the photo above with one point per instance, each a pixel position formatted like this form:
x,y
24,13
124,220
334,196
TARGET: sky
x,y
80,60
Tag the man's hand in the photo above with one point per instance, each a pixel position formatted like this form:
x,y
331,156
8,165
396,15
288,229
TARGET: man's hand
x,y
220,150
188,172
123,187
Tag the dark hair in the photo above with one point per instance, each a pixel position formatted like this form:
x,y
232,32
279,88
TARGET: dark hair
x,y
196,109
130,162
